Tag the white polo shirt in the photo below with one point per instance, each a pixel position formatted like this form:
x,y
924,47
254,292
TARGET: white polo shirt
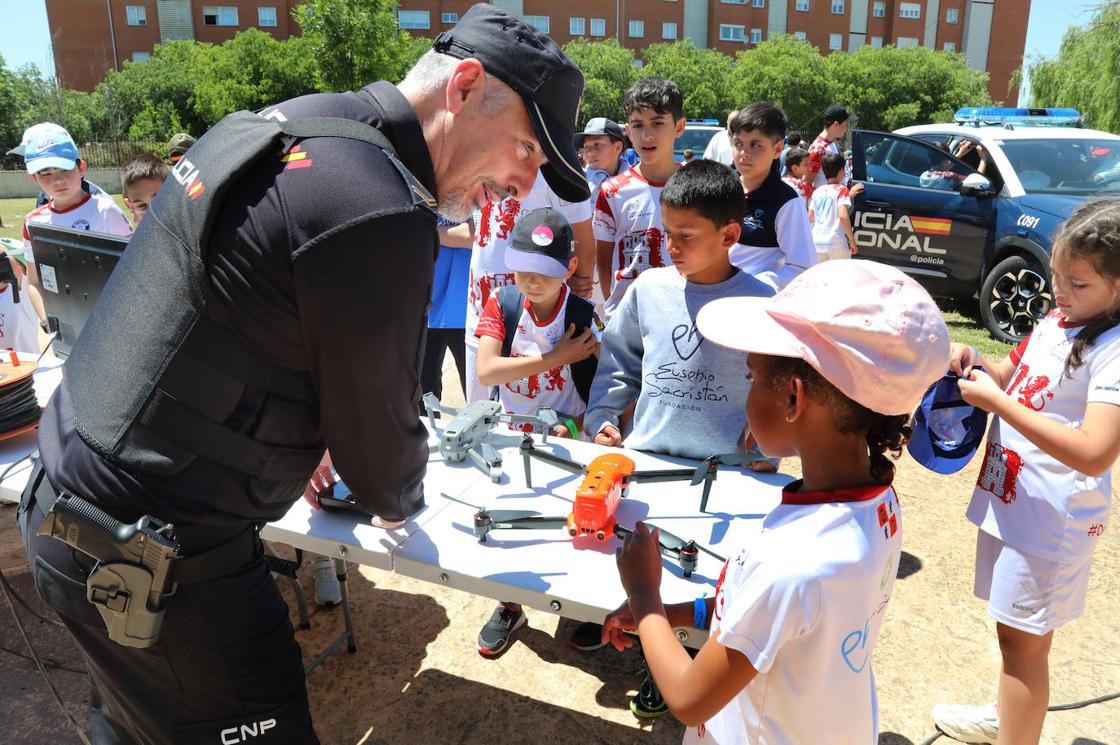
x,y
804,603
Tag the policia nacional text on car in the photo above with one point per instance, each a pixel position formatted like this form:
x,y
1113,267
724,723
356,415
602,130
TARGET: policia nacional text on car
x,y
270,305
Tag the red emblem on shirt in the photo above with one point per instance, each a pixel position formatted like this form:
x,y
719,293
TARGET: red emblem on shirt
x,y
888,521
1000,472
1031,389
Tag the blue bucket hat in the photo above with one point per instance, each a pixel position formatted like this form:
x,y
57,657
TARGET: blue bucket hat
x,y
947,431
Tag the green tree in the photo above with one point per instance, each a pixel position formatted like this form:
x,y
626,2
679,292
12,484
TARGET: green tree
x,y
355,42
608,70
251,71
10,129
1086,73
704,75
791,73
890,88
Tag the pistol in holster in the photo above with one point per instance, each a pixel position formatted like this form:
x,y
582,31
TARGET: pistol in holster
x,y
133,573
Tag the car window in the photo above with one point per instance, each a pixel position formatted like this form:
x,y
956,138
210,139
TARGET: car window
x,y
695,140
903,162
1083,166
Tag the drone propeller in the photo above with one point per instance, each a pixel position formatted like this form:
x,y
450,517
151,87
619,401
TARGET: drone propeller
x,y
709,464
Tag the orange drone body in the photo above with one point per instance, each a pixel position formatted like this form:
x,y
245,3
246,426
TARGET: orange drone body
x,y
598,496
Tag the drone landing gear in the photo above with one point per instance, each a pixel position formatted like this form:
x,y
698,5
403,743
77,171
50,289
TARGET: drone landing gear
x,y
488,459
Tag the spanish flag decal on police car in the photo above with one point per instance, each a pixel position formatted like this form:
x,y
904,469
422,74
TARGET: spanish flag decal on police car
x,y
296,158
931,225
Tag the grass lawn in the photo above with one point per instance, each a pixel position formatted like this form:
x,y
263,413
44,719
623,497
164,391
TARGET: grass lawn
x,y
962,327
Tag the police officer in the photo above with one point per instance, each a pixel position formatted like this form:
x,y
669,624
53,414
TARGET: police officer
x,y
258,317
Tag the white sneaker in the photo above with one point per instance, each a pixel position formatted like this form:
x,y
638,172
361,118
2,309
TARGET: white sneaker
x,y
976,724
327,589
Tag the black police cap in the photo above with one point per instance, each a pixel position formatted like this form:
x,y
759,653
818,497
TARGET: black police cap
x,y
537,69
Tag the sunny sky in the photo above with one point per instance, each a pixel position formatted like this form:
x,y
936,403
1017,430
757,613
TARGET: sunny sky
x,y
1048,22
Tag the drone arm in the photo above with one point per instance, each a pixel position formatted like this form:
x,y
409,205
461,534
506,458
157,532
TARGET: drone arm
x,y
669,474
532,523
557,460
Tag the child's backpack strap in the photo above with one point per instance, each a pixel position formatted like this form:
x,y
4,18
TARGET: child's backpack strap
x,y
512,301
581,312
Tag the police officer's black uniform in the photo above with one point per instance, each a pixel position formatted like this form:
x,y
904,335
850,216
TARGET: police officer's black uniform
x,y
302,328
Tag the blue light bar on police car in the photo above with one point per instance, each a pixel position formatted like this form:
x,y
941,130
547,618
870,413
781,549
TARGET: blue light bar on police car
x,y
997,115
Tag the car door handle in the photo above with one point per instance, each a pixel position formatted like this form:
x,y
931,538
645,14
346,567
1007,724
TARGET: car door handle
x,y
876,204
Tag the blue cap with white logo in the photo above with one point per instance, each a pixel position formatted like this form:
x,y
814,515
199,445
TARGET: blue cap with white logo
x,y
947,431
53,148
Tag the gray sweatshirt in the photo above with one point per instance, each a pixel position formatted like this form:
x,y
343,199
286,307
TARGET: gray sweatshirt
x,y
691,394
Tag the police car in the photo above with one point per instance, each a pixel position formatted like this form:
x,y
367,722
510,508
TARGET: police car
x,y
696,136
969,208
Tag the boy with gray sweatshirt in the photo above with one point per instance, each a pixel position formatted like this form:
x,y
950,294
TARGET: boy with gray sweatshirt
x,y
691,395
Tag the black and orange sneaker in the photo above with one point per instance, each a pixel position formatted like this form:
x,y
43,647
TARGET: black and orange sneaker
x,y
495,635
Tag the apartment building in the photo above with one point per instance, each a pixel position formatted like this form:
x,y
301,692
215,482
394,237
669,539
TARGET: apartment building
x,y
90,37
965,26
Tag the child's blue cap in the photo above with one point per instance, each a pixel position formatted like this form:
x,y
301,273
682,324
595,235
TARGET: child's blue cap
x,y
947,431
52,148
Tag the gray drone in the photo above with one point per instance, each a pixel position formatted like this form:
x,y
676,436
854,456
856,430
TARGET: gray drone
x,y
464,437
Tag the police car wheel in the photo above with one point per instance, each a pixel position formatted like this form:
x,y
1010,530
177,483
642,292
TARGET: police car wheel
x,y
1014,297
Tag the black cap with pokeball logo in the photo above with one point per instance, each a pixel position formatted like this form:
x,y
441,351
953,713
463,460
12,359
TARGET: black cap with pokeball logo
x,y
535,67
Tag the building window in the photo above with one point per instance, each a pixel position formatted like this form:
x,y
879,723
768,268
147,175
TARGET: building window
x,y
141,56
137,15
734,2
756,36
758,3
951,15
598,26
414,19
577,26
728,32
802,5
800,35
906,41
838,7
266,17
835,41
950,46
540,23
449,18
669,30
879,9
909,10
639,63
637,29
224,15
877,42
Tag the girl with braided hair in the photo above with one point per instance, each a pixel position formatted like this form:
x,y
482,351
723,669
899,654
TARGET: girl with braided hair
x,y
839,359
1043,496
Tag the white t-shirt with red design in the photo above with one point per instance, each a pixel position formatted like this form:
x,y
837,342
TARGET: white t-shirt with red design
x,y
553,388
804,603
492,233
825,206
628,215
800,185
19,323
1025,497
97,213
817,150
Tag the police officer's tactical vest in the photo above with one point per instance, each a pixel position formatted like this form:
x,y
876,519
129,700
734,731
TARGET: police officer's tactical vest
x,y
153,381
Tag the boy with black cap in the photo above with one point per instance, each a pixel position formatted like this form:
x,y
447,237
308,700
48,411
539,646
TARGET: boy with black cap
x,y
537,343
835,126
602,143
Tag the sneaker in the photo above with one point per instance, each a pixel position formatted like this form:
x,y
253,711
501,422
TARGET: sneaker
x,y
327,589
976,724
587,637
495,635
648,704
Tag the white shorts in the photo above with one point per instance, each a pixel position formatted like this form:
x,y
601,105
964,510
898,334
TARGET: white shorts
x,y
833,250
1028,592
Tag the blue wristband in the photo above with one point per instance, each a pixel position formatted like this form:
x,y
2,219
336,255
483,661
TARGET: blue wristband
x,y
700,613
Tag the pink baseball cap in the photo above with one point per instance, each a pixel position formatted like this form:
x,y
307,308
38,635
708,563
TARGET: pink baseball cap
x,y
867,328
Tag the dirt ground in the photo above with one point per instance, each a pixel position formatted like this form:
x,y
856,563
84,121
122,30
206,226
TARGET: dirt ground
x,y
417,678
